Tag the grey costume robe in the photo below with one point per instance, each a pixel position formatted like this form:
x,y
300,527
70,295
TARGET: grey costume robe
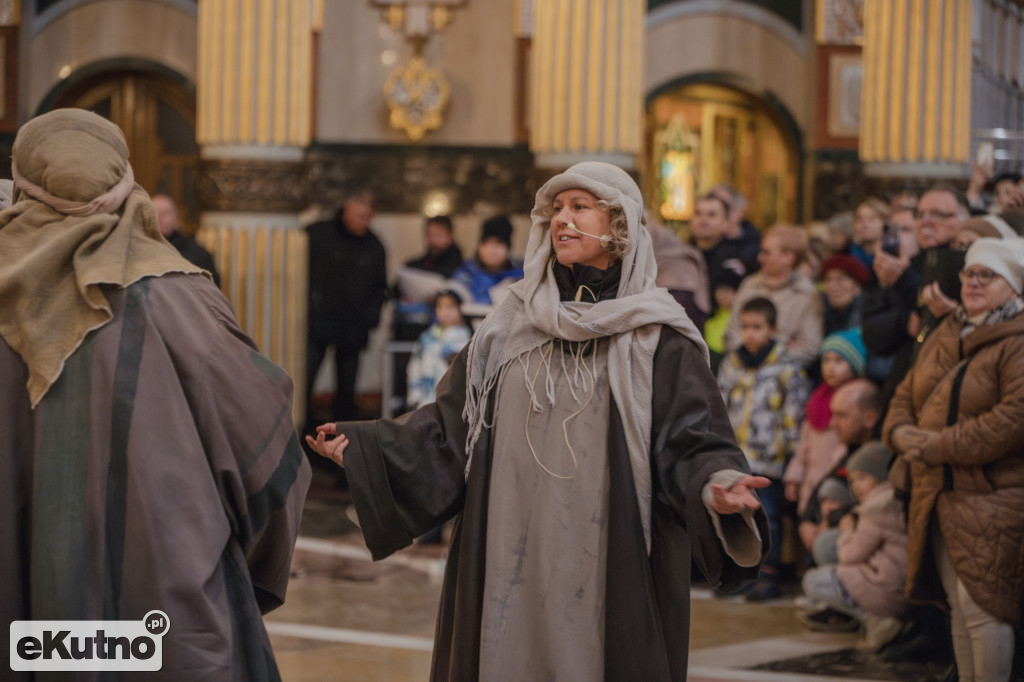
x,y
160,471
407,476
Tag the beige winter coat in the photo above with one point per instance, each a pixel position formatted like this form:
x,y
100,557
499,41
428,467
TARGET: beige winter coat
x,y
974,485
800,317
873,556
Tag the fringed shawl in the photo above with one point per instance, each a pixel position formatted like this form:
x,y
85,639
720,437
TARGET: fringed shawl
x,y
533,315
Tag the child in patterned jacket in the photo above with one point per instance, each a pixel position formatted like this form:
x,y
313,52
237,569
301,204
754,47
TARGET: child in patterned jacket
x,y
764,391
436,348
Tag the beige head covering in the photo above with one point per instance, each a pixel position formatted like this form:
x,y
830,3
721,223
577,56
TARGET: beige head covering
x,y
534,315
78,222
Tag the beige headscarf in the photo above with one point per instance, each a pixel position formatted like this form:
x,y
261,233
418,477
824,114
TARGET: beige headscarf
x,y
534,315
78,221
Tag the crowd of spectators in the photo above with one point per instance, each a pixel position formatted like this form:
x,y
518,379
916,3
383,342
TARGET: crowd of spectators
x,y
832,349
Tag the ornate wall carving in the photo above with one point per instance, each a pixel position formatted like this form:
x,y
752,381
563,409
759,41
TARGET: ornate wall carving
x,y
249,186
402,177
840,184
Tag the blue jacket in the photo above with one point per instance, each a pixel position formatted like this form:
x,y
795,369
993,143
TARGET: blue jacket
x,y
480,281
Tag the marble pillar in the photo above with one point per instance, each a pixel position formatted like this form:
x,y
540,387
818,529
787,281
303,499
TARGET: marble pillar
x,y
254,125
586,84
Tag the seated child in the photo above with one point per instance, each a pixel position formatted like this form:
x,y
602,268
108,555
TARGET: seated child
x,y
869,579
835,501
764,391
818,451
436,348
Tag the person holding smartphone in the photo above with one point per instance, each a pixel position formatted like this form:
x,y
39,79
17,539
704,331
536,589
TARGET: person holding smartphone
x,y
900,306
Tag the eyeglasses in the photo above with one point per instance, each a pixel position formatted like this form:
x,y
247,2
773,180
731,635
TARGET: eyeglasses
x,y
984,276
934,215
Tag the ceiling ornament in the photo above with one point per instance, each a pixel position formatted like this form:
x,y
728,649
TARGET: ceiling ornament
x,y
416,93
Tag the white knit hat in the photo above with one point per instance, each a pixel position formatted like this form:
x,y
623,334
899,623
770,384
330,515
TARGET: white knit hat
x,y
1004,257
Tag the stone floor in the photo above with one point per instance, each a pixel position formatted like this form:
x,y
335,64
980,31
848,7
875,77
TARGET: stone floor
x,y
347,618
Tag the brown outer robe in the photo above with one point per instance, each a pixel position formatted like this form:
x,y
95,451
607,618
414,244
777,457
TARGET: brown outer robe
x,y
161,471
407,476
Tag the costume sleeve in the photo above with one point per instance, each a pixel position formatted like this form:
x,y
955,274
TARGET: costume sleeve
x,y
407,475
692,439
742,544
243,412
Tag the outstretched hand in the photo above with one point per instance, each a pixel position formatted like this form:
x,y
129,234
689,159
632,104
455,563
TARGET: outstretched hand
x,y
332,449
739,496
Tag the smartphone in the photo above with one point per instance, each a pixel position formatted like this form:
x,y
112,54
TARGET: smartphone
x,y
891,240
943,266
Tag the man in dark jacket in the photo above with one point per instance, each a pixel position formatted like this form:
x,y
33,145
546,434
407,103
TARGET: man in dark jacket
x,y
170,227
347,287
443,255
742,239
904,301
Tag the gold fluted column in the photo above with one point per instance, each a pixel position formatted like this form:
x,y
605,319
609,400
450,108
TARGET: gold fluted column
x,y
916,97
586,81
255,83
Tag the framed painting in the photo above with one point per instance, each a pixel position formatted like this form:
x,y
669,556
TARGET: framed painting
x,y
840,77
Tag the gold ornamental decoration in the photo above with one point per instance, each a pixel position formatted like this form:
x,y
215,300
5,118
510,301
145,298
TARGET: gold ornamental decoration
x,y
416,96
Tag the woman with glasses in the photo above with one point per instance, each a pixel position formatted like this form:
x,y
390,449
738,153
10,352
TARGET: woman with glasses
x,y
957,420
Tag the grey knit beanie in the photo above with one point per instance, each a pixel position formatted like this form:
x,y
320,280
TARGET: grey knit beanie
x,y
833,488
872,458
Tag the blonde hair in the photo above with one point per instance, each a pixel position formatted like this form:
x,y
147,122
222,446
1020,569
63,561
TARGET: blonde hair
x,y
617,221
620,229
880,208
791,239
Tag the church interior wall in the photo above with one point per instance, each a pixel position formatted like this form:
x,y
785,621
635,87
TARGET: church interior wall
x,y
707,43
98,31
476,53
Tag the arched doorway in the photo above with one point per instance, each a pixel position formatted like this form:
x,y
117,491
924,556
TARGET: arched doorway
x,y
157,113
701,134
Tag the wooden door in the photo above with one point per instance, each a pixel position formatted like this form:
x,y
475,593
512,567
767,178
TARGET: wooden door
x,y
158,117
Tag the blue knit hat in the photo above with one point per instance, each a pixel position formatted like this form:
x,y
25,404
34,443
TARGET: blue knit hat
x,y
849,344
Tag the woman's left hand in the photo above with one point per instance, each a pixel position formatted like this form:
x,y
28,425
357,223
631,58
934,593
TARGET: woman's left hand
x,y
739,496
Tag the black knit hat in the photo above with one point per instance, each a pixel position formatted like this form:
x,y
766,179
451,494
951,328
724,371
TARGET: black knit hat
x,y
498,227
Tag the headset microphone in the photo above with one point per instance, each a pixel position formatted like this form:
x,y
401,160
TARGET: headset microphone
x,y
605,240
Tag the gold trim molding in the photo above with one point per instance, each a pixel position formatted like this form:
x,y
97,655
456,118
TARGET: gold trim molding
x,y
251,186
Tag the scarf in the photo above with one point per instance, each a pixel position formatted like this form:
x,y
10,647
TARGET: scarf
x,y
78,222
532,315
754,360
1002,313
585,282
818,412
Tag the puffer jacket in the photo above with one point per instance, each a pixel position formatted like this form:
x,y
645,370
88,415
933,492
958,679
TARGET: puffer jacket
x,y
976,491
873,556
